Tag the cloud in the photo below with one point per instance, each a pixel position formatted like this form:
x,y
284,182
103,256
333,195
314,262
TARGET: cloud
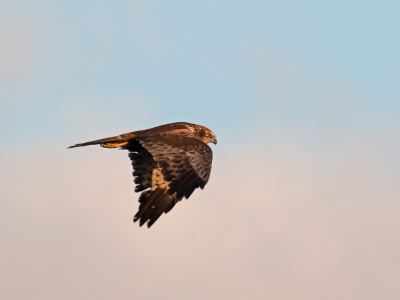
x,y
274,222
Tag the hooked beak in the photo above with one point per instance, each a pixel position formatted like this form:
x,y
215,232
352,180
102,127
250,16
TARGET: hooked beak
x,y
214,141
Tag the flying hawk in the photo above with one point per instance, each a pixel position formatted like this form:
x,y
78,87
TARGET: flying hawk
x,y
169,162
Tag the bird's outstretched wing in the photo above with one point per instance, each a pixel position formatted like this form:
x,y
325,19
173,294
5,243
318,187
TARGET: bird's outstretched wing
x,y
167,168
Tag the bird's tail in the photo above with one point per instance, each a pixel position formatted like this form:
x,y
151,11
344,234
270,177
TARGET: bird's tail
x,y
111,142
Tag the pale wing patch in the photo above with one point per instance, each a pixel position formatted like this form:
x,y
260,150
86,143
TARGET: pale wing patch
x,y
157,180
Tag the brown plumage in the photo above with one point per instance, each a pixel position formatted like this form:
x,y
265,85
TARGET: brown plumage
x,y
169,162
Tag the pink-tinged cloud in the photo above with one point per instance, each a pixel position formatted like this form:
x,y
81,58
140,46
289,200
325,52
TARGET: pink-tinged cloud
x,y
275,222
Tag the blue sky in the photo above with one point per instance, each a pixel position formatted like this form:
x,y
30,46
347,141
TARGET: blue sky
x,y
202,62
304,97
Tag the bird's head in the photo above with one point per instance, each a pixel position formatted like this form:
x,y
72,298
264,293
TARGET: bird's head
x,y
205,134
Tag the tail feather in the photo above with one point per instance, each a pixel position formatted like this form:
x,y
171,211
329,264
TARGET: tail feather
x,y
111,142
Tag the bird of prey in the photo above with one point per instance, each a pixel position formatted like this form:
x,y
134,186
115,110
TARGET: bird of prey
x,y
169,162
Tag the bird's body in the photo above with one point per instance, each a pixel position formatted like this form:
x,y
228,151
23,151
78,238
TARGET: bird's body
x,y
169,161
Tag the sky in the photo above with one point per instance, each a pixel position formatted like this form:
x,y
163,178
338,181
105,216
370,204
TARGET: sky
x,y
303,200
